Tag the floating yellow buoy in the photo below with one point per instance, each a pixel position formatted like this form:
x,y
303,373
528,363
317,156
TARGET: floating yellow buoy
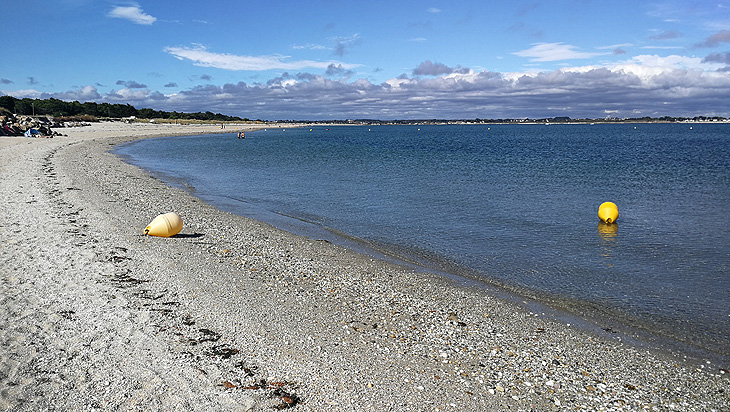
x,y
608,212
165,225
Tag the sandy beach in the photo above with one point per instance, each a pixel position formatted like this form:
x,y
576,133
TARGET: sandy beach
x,y
235,315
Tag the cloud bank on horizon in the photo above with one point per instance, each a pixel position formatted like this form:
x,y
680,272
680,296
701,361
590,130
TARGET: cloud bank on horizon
x,y
382,60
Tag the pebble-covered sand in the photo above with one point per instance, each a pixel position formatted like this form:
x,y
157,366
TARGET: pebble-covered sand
x,y
235,315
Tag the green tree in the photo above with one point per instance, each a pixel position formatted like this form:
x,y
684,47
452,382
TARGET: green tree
x,y
90,108
24,106
8,102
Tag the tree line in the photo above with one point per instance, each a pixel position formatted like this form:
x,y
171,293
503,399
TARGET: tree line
x,y
60,108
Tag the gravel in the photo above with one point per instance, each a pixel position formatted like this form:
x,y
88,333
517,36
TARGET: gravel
x,y
235,315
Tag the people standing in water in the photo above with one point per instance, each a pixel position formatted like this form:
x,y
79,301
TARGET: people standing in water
x,y
241,135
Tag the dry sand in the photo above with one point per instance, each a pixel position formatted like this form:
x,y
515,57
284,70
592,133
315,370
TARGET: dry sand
x,y
235,315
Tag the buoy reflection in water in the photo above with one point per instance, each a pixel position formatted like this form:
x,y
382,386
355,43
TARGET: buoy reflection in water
x,y
608,234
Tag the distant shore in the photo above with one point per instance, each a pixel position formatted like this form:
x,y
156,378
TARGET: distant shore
x,y
235,315
526,121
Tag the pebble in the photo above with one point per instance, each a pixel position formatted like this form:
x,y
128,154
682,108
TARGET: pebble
x,y
317,315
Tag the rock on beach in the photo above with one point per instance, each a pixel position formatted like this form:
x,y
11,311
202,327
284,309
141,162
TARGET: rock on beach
x,y
235,315
17,125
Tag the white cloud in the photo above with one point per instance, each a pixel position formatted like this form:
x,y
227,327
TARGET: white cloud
x,y
548,52
615,46
200,56
86,93
662,47
20,94
130,94
133,14
433,10
717,39
647,84
342,44
308,46
652,85
665,63
429,68
665,35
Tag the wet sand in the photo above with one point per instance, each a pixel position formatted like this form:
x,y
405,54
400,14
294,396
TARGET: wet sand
x,y
235,315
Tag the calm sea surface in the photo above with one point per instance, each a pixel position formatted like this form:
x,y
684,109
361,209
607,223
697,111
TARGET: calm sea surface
x,y
516,204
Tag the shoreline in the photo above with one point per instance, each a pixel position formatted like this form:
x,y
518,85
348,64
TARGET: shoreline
x,y
606,322
603,320
233,314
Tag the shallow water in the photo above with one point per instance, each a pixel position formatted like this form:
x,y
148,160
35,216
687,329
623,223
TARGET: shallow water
x,y
514,203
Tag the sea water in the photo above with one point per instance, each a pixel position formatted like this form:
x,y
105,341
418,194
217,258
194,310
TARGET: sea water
x,y
514,204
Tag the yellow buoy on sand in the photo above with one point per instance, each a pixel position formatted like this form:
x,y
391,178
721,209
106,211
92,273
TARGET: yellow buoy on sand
x,y
166,225
608,212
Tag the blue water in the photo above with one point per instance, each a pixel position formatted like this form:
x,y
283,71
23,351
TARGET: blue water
x,y
516,204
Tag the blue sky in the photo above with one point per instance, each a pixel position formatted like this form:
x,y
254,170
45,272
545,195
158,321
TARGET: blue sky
x,y
376,59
